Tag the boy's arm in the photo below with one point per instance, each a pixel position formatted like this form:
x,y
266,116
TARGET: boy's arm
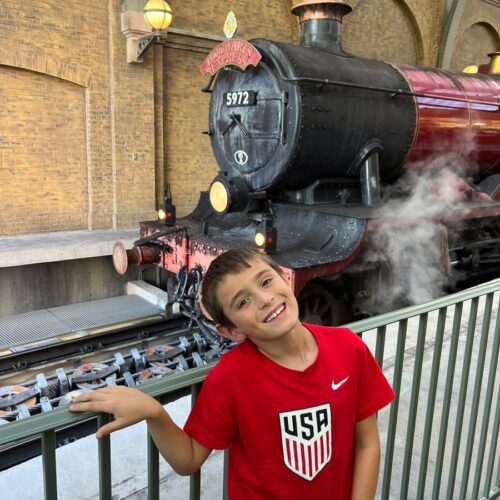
x,y
129,406
366,459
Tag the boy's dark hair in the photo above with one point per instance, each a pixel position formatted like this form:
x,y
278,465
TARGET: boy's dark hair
x,y
230,262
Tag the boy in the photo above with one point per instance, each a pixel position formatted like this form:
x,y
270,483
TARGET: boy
x,y
295,404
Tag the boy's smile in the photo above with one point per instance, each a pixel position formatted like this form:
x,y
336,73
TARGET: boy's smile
x,y
275,313
259,303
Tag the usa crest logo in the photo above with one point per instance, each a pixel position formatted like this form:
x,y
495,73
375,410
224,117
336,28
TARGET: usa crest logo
x,y
306,439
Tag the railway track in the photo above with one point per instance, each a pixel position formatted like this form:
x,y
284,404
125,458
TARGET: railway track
x,y
48,376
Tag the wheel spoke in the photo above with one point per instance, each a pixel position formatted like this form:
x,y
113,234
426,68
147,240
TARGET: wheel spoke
x,y
317,301
317,305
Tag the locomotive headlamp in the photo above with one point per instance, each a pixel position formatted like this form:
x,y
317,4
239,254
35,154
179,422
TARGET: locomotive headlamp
x,y
219,197
228,195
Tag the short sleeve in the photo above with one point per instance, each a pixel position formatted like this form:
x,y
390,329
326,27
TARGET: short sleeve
x,y
212,421
374,392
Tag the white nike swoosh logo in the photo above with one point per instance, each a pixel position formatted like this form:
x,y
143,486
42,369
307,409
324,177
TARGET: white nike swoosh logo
x,y
342,382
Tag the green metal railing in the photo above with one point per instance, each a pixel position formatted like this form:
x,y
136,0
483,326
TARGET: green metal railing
x,y
440,437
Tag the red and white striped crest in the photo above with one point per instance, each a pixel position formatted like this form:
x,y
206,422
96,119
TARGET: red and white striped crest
x,y
306,438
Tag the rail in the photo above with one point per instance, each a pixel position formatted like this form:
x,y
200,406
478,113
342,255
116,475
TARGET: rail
x,y
440,437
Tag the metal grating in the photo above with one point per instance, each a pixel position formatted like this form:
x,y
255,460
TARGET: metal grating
x,y
103,312
29,327
47,323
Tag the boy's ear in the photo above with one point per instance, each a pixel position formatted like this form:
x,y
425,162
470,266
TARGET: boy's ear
x,y
231,333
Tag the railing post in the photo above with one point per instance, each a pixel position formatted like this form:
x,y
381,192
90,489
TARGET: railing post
x,y
450,373
476,396
226,464
412,417
380,345
393,417
195,479
471,327
431,400
496,419
49,465
104,451
153,470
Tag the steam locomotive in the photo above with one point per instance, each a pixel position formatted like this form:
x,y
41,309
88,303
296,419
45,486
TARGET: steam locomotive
x,y
358,175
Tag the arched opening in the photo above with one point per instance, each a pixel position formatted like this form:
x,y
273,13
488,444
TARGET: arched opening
x,y
386,29
473,46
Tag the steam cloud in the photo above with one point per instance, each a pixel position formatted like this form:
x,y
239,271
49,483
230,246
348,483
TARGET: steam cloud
x,y
409,242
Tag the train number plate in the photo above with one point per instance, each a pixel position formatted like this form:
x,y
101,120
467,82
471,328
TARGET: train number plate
x,y
240,98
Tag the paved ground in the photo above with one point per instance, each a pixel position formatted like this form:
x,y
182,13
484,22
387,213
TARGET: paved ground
x,y
77,467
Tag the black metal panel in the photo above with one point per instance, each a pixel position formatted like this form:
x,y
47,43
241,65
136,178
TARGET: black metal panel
x,y
306,236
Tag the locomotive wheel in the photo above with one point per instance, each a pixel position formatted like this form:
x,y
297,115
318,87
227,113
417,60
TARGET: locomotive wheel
x,y
318,306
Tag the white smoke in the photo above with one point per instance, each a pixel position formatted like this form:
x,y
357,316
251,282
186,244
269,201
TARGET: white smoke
x,y
407,249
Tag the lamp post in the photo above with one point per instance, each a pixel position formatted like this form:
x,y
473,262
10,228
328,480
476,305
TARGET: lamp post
x,y
158,15
136,25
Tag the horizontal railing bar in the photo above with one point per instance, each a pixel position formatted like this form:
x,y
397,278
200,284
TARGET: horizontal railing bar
x,y
37,424
409,312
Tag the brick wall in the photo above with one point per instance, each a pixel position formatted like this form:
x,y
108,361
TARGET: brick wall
x,y
76,127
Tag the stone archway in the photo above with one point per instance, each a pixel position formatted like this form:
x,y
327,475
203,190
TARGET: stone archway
x,y
393,33
471,44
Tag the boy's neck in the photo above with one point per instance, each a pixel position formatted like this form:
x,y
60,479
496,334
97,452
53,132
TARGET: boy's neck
x,y
297,351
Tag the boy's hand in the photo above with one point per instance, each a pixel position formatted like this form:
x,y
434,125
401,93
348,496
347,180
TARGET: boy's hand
x,y
127,405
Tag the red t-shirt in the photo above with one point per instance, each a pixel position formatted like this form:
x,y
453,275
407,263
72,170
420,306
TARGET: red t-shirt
x,y
290,434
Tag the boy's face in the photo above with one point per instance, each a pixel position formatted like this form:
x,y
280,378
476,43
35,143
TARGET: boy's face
x,y
258,302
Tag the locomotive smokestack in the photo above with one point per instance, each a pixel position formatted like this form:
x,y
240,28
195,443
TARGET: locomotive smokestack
x,y
320,23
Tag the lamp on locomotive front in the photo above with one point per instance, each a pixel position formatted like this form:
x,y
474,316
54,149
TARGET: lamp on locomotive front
x,y
228,195
167,214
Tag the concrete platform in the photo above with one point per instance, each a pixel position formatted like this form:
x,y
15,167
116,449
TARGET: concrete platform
x,y
59,246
